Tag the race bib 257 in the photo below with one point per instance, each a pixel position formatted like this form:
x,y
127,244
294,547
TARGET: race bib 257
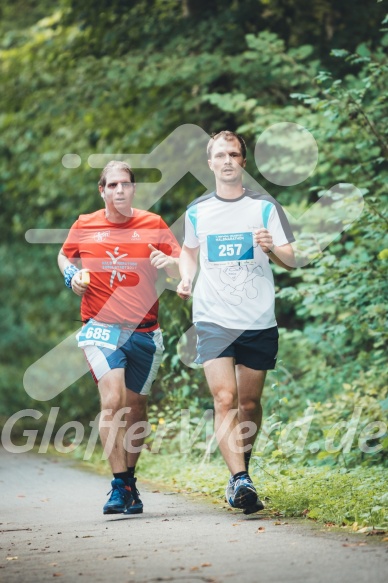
x,y
230,248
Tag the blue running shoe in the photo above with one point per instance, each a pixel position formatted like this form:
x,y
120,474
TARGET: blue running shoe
x,y
244,493
136,506
120,498
229,492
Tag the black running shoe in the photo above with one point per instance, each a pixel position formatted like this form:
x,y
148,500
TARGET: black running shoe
x,y
259,505
136,505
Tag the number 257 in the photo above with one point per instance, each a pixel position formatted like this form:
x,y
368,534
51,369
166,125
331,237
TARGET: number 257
x,y
230,250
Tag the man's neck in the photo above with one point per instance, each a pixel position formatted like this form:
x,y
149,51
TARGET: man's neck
x,y
113,216
229,191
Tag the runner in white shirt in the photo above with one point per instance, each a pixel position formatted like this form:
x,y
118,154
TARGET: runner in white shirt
x,y
235,231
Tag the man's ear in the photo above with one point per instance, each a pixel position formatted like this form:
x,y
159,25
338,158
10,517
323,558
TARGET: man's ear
x,y
210,164
101,189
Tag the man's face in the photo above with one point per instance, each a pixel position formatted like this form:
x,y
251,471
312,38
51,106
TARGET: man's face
x,y
226,161
118,192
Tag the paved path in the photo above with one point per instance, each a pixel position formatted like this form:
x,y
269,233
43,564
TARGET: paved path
x,y
52,527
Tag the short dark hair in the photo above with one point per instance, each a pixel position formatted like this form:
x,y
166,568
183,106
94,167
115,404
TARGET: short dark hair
x,y
120,166
227,135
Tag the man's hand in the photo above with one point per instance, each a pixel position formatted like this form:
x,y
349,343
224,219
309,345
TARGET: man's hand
x,y
184,289
162,261
77,285
159,259
263,238
188,268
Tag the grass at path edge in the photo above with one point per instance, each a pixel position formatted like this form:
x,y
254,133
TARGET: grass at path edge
x,y
355,498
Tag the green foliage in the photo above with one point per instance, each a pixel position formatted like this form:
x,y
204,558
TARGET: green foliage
x,y
106,77
326,495
330,495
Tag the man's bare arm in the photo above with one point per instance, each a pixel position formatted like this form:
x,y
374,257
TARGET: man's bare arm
x,y
188,268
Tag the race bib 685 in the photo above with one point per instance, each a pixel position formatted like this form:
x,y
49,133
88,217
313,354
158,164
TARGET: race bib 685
x,y
99,334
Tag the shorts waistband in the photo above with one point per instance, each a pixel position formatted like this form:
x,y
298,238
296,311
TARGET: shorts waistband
x,y
129,325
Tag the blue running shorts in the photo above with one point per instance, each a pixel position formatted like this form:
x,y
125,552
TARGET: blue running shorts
x,y
139,353
256,349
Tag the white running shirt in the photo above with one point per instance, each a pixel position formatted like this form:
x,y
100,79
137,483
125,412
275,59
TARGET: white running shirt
x,y
235,286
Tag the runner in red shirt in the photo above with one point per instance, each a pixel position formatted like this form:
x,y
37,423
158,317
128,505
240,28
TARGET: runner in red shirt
x,y
111,260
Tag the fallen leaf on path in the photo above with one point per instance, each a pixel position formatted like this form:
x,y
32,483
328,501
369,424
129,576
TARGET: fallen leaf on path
x,y
21,496
194,568
57,574
260,529
14,529
206,564
88,536
12,558
354,545
385,539
376,531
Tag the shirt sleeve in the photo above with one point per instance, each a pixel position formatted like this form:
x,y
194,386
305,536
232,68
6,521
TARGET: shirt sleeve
x,y
71,245
191,239
167,241
277,228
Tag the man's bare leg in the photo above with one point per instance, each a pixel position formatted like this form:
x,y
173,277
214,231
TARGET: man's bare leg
x,y
221,378
250,384
112,433
112,393
137,430
137,414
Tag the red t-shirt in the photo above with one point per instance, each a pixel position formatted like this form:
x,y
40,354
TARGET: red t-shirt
x,y
122,279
